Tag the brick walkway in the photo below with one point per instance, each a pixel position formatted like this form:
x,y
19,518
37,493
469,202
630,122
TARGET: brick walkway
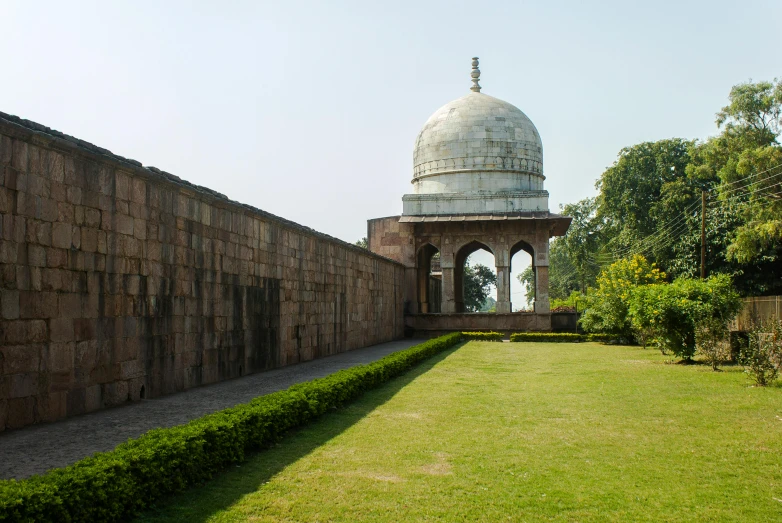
x,y
38,448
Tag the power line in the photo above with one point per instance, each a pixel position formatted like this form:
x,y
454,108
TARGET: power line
x,y
751,175
669,233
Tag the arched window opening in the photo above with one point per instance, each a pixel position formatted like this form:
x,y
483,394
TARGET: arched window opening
x,y
475,279
430,280
522,280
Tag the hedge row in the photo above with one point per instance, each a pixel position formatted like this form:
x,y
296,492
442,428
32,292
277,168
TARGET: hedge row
x,y
118,484
483,336
561,337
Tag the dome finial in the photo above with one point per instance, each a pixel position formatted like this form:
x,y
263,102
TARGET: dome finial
x,y
475,75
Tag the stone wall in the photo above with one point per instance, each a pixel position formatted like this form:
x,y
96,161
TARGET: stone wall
x,y
120,282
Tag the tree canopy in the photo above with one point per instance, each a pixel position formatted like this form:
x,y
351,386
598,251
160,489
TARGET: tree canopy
x,y
478,280
649,202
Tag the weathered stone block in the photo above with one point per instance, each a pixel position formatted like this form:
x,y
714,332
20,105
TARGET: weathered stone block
x,y
70,305
6,152
36,256
122,186
124,224
10,304
76,401
23,385
9,252
19,156
57,406
85,328
62,235
56,258
34,304
61,329
115,393
93,399
20,412
46,209
18,359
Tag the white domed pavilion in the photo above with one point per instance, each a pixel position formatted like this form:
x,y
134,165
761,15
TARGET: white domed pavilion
x,y
477,184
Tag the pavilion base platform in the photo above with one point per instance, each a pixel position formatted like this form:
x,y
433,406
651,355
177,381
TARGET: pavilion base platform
x,y
435,324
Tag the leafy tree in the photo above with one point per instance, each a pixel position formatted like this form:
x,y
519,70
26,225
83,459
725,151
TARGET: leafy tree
x,y
582,247
649,202
527,278
490,305
363,243
753,278
571,258
478,280
563,278
576,300
744,159
645,189
607,304
685,314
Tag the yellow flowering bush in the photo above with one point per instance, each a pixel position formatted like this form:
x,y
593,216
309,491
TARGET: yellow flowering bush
x,y
607,304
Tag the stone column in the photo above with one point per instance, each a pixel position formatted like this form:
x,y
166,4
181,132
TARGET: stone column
x,y
410,290
541,290
423,289
449,299
503,289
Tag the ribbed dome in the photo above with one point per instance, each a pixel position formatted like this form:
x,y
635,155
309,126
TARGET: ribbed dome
x,y
478,144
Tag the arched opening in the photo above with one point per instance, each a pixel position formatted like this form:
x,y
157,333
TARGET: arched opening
x,y
142,393
240,371
430,280
522,279
475,279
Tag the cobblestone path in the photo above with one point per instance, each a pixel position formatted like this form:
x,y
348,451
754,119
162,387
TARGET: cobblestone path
x,y
38,448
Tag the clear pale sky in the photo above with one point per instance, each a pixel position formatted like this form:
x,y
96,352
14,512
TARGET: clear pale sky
x,y
309,110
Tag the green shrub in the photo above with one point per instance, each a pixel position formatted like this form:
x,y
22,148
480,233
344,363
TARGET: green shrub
x,y
551,337
115,485
483,336
671,314
575,301
601,338
761,352
606,307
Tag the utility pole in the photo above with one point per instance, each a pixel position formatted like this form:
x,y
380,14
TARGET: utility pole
x,y
703,234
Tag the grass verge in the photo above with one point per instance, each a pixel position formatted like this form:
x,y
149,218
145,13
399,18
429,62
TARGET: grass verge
x,y
522,432
114,485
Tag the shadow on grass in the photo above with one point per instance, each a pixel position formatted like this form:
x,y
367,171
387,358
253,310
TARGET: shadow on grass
x,y
199,503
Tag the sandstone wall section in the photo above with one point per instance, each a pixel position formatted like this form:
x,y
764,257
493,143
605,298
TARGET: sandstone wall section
x,y
120,282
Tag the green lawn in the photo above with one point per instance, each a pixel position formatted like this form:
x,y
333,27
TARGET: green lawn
x,y
522,432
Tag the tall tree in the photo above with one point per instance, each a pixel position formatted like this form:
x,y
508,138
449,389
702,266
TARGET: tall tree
x,y
746,158
478,280
645,189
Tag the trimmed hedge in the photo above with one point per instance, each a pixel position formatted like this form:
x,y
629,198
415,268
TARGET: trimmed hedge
x,y
120,483
483,336
561,337
551,337
601,338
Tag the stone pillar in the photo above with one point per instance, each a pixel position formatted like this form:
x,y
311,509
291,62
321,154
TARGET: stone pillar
x,y
503,289
423,291
410,289
449,298
541,290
